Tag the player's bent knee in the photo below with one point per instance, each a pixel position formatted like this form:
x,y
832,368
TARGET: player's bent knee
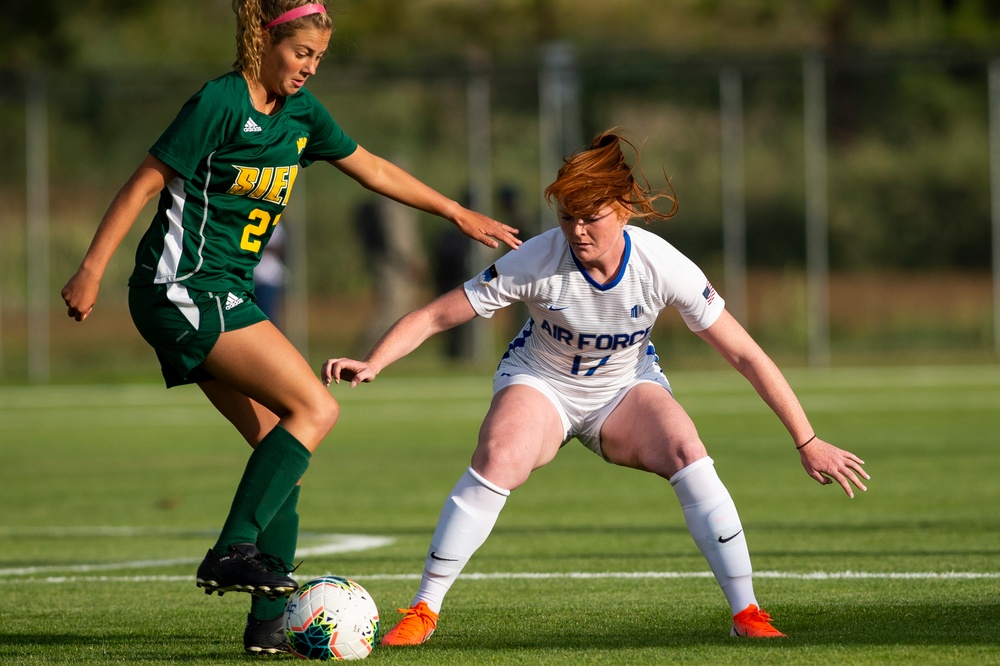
x,y
506,469
319,410
327,412
666,462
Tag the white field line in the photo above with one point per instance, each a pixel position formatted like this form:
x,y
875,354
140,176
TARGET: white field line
x,y
117,396
916,389
576,575
413,409
328,544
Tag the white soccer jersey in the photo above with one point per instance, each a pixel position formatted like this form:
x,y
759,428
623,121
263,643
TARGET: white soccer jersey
x,y
586,337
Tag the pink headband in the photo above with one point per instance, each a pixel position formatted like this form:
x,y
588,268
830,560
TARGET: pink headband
x,y
298,12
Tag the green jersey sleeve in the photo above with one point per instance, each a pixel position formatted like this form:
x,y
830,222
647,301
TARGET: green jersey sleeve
x,y
329,141
196,131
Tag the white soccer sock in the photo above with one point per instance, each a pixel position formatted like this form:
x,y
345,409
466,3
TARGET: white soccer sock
x,y
715,526
467,518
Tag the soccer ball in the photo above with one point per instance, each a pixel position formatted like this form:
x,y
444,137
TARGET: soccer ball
x,y
331,618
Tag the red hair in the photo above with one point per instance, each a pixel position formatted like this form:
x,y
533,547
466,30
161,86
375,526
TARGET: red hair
x,y
591,179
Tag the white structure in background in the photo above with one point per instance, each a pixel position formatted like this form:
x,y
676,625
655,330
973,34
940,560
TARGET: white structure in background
x,y
734,226
817,224
994,78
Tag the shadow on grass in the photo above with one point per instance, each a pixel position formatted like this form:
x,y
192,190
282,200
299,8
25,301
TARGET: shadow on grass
x,y
113,648
915,625
532,633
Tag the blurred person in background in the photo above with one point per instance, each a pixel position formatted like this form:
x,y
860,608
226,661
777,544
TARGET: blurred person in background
x,y
452,252
454,257
222,173
512,210
584,366
396,262
270,276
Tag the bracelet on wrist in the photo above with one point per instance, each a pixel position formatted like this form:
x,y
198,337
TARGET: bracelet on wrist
x,y
802,445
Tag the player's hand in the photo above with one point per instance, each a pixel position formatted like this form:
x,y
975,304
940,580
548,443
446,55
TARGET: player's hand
x,y
827,464
348,369
80,294
486,230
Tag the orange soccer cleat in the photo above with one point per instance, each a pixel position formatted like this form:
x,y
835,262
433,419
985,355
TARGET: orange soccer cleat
x,y
416,627
752,622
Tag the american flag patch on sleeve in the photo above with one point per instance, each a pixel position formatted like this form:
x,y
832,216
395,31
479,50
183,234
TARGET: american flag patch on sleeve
x,y
709,293
489,274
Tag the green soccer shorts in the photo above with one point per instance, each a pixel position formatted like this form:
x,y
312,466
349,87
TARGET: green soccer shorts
x,y
182,325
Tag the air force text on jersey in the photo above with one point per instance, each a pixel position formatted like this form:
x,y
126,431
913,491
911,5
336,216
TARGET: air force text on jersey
x,y
609,342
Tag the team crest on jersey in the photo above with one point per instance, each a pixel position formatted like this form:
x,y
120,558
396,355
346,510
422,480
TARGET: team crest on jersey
x,y
488,274
301,143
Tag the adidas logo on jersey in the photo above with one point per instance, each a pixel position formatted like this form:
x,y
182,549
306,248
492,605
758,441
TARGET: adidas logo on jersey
x,y
251,126
232,300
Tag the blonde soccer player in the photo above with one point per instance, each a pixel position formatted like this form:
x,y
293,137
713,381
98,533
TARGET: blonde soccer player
x,y
223,173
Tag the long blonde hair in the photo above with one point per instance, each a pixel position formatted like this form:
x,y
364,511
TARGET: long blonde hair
x,y
599,176
253,15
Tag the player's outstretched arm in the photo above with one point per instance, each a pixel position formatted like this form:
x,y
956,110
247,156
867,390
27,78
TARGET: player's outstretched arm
x,y
447,311
822,461
80,292
382,176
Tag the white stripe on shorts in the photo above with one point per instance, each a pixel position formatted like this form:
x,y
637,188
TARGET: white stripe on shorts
x,y
178,295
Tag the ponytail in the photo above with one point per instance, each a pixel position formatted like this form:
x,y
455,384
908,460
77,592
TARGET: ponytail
x,y
249,37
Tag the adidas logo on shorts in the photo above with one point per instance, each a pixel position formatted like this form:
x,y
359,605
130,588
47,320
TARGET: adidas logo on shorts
x,y
232,301
251,126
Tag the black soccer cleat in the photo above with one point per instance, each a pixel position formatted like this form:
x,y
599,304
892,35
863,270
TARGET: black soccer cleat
x,y
243,568
265,637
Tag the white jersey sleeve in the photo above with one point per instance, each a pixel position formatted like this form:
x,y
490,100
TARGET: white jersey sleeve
x,y
678,279
517,275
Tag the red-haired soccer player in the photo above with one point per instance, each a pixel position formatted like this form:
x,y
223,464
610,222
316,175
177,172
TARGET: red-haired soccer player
x,y
583,366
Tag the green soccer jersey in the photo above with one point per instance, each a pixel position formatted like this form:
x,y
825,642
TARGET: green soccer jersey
x,y
237,168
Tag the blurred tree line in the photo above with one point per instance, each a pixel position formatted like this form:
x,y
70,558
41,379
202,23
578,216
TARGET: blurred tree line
x,y
116,32
906,94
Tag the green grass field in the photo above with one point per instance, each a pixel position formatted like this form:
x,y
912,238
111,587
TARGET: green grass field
x,y
110,496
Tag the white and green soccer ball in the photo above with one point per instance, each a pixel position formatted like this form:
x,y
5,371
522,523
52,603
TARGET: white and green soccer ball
x,y
331,618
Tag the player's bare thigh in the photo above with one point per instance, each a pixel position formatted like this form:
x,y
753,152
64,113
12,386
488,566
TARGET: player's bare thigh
x,y
259,362
650,431
521,432
252,419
